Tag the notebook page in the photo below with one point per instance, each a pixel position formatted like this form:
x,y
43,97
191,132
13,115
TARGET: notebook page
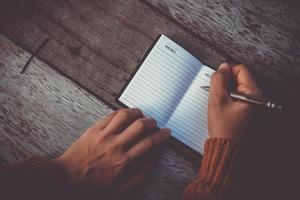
x,y
161,81
189,120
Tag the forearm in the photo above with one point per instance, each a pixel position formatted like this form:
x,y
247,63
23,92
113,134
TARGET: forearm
x,y
215,176
33,178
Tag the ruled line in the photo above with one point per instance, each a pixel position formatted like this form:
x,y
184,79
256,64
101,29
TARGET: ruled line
x,y
167,88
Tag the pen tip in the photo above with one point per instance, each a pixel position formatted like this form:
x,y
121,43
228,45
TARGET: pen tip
x,y
206,88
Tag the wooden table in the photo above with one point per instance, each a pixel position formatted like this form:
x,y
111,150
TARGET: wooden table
x,y
62,63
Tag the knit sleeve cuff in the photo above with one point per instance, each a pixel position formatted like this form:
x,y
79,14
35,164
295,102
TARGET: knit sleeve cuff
x,y
34,178
37,166
216,171
218,161
41,171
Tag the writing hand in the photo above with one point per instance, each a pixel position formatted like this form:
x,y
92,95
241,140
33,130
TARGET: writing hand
x,y
228,118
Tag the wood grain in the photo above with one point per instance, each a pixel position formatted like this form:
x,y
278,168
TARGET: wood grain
x,y
42,113
65,53
262,34
96,44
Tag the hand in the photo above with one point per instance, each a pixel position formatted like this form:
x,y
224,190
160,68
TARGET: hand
x,y
106,153
228,118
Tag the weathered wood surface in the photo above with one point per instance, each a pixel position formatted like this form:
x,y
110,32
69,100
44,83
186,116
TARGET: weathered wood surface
x,y
262,34
95,43
42,113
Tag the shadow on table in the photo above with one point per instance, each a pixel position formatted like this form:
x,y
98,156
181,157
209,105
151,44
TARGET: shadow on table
x,y
268,162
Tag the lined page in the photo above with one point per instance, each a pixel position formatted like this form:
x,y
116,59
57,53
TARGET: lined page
x,y
166,87
160,82
189,120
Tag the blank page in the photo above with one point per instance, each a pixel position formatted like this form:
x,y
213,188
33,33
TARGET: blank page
x,y
161,83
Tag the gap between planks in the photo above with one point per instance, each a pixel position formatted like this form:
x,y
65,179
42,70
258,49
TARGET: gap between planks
x,y
43,112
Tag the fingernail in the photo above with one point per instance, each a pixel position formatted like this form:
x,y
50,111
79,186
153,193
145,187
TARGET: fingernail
x,y
166,132
138,110
153,120
224,66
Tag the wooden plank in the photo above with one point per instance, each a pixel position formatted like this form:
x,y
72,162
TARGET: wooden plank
x,y
150,23
120,38
97,30
64,52
252,32
283,15
96,44
42,113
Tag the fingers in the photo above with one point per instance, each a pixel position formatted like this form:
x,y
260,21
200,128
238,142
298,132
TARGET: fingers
x,y
100,124
243,75
148,143
219,83
122,119
137,129
245,82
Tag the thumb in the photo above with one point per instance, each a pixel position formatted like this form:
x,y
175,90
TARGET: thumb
x,y
219,83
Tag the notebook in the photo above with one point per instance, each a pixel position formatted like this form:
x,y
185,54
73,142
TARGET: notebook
x,y
166,86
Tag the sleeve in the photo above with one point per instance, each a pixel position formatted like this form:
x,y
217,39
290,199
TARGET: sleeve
x,y
214,181
34,178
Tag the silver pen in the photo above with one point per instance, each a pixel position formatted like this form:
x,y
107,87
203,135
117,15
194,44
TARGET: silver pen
x,y
250,99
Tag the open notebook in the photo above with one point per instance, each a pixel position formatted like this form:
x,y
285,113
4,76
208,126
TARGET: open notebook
x,y
166,87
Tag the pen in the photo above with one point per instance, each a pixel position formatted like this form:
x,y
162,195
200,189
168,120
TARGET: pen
x,y
250,99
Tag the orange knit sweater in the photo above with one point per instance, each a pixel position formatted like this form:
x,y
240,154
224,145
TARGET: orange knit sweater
x,y
39,178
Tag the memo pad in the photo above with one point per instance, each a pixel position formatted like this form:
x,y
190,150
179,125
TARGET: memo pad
x,y
166,87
